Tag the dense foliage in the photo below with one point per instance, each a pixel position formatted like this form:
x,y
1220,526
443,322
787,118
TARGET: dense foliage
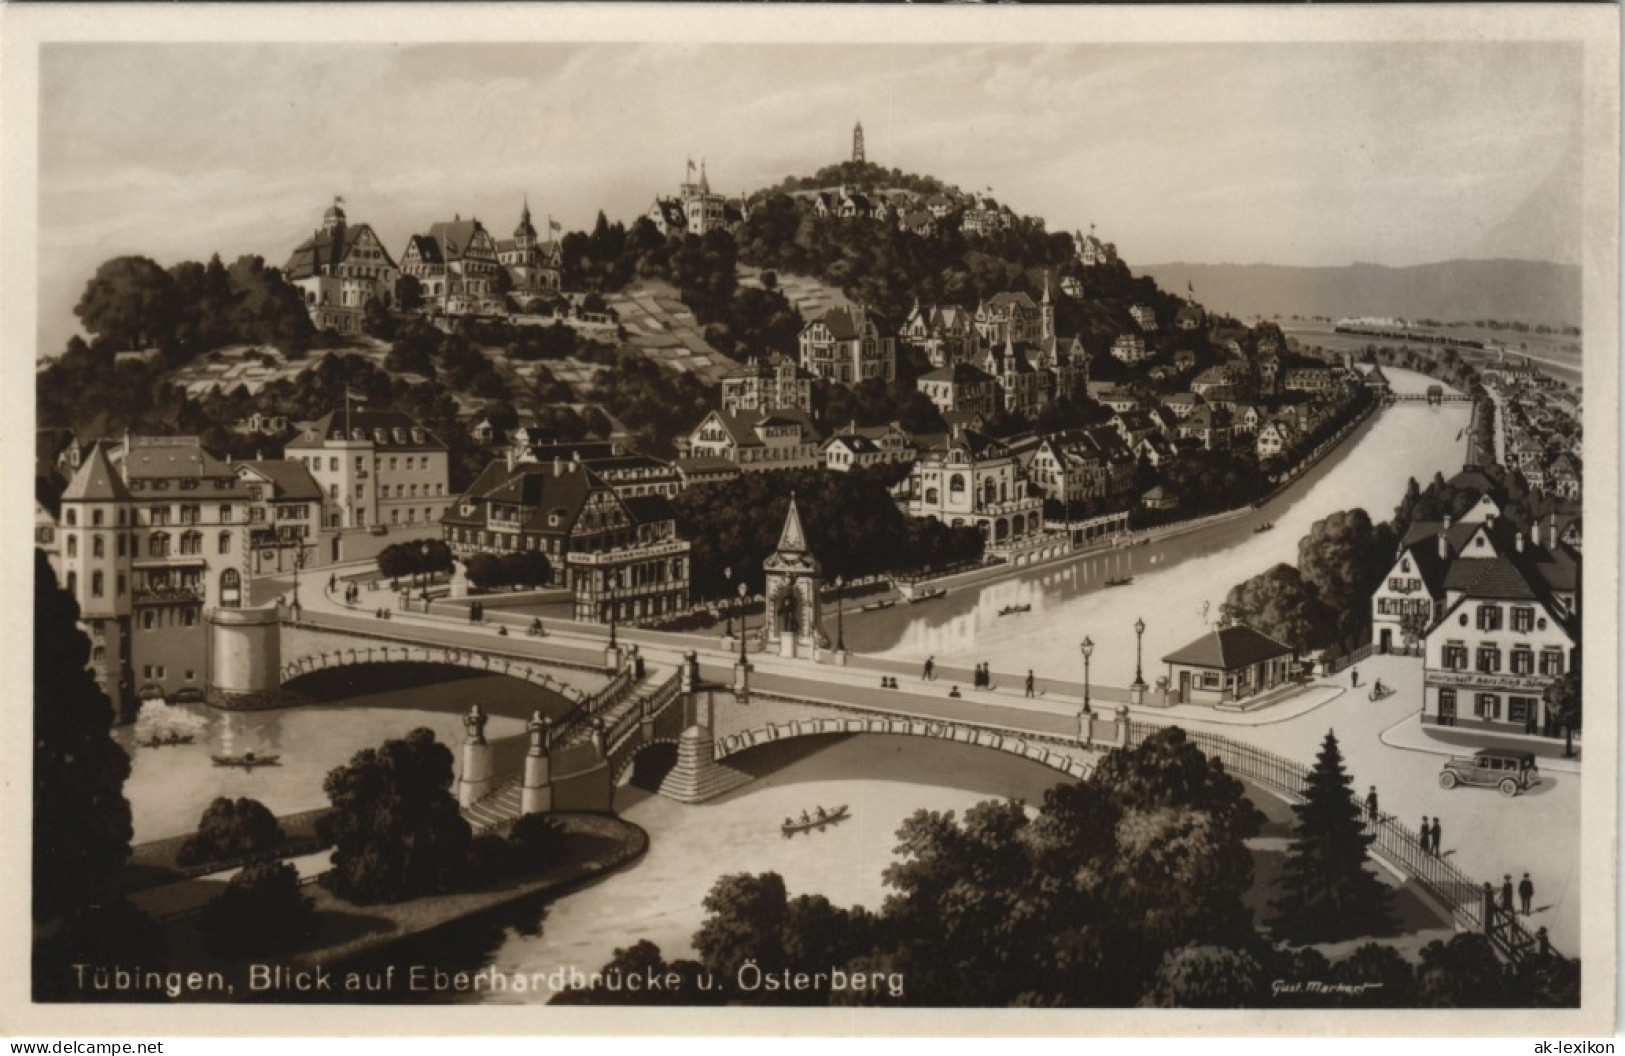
x,y
261,911
231,829
853,526
396,829
81,819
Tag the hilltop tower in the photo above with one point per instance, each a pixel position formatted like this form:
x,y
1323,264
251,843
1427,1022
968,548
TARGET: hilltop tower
x,y
857,142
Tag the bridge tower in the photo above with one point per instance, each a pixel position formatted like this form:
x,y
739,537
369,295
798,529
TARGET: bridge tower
x,y
794,613
247,664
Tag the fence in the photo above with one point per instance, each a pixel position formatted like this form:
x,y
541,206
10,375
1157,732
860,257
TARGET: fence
x,y
1471,904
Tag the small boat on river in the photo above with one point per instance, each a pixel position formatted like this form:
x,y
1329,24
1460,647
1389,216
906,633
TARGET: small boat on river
x,y
1011,610
873,606
929,594
1266,526
813,821
248,760
1120,581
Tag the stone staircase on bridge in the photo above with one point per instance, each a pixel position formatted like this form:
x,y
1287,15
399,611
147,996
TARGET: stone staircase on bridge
x,y
497,810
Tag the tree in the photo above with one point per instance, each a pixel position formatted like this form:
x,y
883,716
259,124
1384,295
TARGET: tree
x,y
1207,977
744,919
1563,705
396,829
1385,978
1464,972
1343,558
81,819
536,842
261,911
1281,604
231,829
408,293
131,301
1413,627
1328,894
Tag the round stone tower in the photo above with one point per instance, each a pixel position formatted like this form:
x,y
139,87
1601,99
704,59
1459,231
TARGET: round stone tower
x,y
247,648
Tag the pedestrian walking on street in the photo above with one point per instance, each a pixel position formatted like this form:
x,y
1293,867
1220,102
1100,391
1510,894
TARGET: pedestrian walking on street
x,y
929,674
987,675
1436,837
1424,835
332,582
1354,677
1506,894
1029,682
1526,893
1371,805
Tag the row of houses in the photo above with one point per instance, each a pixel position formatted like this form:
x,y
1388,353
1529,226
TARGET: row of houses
x,y
459,267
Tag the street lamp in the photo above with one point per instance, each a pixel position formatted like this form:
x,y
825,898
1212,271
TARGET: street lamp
x,y
728,574
1139,637
741,590
840,626
1088,648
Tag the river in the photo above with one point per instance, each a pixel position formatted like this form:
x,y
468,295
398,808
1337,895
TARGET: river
x,y
1178,584
169,787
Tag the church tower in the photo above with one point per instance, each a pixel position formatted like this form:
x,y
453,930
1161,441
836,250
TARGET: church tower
x,y
794,576
524,236
857,142
1047,312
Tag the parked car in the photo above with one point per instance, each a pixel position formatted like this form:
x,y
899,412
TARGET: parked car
x,y
1510,771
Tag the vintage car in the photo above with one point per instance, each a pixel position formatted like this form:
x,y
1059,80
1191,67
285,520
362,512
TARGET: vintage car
x,y
1510,771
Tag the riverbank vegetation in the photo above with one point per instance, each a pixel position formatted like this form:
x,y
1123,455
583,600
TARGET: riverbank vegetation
x,y
1124,889
852,524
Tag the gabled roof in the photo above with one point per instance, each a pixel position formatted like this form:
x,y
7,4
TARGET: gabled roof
x,y
170,458
96,481
1229,649
535,487
454,236
1489,577
330,248
428,250
291,480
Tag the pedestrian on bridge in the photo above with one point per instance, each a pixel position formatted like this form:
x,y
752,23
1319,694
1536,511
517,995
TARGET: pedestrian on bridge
x,y
1424,835
1029,682
1436,837
929,674
1526,893
1354,678
1506,893
1371,812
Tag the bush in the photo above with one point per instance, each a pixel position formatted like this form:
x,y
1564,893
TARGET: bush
x,y
489,860
231,829
536,842
261,911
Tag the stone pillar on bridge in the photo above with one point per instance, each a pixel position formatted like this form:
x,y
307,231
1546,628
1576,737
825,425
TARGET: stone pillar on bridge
x,y
742,681
536,796
475,782
1122,726
690,673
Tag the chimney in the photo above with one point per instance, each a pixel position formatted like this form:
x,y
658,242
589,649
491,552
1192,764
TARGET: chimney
x,y
1444,544
1551,530
1534,532
510,459
558,469
1518,541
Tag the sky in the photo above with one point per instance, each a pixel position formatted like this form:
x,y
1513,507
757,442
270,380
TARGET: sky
x,y
1311,154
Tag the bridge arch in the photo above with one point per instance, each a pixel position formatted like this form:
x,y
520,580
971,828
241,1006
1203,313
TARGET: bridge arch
x,y
1032,748
451,656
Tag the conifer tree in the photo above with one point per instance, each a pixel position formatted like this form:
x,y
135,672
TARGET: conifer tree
x,y
1328,894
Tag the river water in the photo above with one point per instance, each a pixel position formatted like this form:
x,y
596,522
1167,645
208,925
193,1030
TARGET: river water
x,y
1178,584
169,787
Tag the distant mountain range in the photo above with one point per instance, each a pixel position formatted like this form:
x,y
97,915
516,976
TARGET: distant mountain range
x,y
1527,291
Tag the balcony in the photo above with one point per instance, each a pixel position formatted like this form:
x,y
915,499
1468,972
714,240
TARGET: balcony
x,y
168,595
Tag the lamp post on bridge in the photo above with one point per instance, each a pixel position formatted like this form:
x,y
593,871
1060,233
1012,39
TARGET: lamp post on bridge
x,y
742,668
840,623
728,574
1137,691
612,652
1087,647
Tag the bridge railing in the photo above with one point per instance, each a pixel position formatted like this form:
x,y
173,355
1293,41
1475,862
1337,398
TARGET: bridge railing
x,y
647,708
1467,900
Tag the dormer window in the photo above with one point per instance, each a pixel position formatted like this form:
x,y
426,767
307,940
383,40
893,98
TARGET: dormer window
x,y
400,435
417,436
380,436
358,434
